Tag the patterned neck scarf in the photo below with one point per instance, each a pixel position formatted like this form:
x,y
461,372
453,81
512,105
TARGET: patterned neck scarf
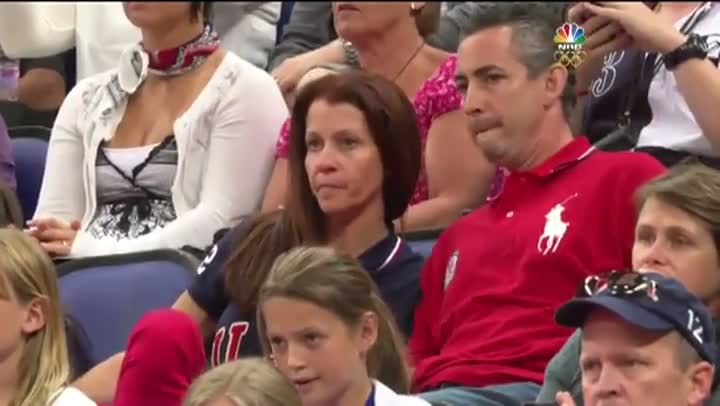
x,y
186,57
136,62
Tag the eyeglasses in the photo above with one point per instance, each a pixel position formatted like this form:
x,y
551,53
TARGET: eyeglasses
x,y
622,283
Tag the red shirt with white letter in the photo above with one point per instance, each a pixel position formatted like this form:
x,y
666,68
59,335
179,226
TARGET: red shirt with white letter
x,y
496,276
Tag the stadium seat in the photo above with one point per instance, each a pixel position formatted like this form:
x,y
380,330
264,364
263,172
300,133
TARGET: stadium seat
x,y
422,242
29,154
30,131
107,295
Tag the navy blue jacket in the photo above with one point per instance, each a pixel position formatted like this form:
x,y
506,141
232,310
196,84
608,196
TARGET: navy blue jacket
x,y
236,335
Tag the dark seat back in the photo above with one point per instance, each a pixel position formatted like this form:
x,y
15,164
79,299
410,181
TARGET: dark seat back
x,y
107,295
30,146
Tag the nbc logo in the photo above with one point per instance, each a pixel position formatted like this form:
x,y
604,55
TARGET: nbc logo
x,y
569,36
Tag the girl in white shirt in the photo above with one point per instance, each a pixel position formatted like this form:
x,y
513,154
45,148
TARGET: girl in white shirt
x,y
162,152
34,362
323,323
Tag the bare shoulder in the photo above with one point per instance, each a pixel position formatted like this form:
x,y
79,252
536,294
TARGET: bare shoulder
x,y
435,57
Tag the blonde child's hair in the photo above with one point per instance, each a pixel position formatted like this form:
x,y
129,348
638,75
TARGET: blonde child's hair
x,y
245,382
27,274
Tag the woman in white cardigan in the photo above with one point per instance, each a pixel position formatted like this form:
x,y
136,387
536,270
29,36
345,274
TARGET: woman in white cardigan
x,y
100,32
165,150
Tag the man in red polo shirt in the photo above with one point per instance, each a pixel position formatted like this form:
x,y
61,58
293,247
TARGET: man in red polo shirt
x,y
484,330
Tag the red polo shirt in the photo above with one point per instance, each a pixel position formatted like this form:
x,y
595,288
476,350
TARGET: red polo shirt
x,y
495,277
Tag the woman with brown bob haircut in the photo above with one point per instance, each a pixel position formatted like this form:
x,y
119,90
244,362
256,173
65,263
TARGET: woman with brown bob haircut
x,y
390,40
355,157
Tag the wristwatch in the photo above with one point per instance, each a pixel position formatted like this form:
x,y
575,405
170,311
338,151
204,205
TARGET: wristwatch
x,y
695,47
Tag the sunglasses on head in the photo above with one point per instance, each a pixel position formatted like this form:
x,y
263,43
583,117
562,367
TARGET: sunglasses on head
x,y
622,283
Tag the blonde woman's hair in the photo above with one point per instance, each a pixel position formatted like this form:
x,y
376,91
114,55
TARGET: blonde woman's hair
x,y
339,284
27,274
245,382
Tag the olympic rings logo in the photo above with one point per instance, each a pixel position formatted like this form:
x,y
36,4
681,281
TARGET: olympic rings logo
x,y
569,58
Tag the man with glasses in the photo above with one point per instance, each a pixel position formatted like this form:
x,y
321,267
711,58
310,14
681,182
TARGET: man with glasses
x,y
646,341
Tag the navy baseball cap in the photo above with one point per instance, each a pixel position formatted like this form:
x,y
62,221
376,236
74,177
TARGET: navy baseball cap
x,y
650,301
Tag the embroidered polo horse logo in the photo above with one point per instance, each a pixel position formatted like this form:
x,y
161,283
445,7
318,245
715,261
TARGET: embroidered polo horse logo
x,y
555,228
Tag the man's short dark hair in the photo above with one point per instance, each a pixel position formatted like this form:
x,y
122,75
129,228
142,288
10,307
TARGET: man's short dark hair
x,y
533,27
